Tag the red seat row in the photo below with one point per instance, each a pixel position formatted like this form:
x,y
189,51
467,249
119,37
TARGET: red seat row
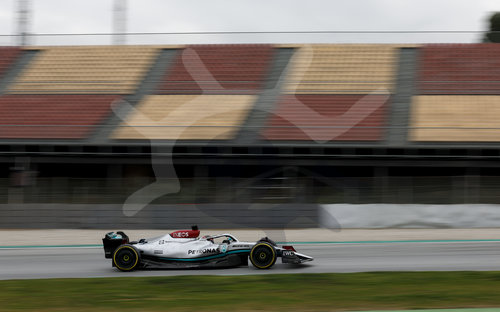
x,y
325,118
52,116
217,69
459,69
7,57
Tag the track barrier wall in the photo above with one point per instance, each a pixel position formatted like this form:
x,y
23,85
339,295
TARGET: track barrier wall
x,y
374,216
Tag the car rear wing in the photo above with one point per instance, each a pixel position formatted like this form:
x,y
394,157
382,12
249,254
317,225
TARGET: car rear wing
x,y
113,240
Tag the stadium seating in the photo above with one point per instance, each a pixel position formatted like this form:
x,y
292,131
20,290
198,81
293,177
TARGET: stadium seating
x,y
218,69
328,118
457,86
459,69
331,92
85,70
343,69
7,56
455,118
52,116
186,117
205,95
335,93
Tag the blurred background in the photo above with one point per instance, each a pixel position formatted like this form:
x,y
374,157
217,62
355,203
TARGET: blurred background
x,y
160,114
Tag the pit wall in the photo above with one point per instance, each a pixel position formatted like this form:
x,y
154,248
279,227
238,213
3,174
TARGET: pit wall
x,y
105,216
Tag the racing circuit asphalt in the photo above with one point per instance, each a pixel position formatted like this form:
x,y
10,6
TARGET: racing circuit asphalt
x,y
78,262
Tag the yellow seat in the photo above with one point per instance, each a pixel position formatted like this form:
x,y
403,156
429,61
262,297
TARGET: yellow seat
x,y
186,117
343,69
455,118
85,70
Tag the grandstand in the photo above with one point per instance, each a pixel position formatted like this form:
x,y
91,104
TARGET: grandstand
x,y
52,116
457,95
186,117
350,123
343,69
7,57
217,69
459,69
84,70
456,118
328,117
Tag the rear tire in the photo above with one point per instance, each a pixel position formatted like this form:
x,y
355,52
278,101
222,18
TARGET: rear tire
x,y
126,258
263,255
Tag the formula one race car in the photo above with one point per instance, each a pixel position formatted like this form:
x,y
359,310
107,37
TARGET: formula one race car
x,y
185,249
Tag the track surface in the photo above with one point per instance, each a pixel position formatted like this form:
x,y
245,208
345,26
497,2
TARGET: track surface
x,y
30,263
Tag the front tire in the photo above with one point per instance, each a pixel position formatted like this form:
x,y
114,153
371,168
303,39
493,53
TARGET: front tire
x,y
126,258
263,255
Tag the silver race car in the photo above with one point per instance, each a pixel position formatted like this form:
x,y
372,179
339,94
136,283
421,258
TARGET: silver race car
x,y
185,249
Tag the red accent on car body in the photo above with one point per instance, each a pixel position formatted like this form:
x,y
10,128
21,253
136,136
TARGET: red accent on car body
x,y
185,234
289,248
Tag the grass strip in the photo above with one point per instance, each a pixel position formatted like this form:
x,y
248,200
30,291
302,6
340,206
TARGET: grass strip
x,y
297,292
447,310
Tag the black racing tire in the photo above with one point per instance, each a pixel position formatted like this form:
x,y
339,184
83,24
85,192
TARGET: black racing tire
x,y
267,240
263,255
126,258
